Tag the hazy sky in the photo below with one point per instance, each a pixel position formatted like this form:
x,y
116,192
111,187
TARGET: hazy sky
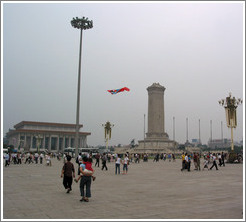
x,y
195,50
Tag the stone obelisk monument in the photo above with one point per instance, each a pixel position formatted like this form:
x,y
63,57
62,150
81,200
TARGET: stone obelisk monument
x,y
156,120
157,139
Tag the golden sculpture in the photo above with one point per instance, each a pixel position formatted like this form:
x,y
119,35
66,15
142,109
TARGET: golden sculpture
x,y
230,104
107,132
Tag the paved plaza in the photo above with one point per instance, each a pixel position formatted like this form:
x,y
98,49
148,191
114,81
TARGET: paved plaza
x,y
150,190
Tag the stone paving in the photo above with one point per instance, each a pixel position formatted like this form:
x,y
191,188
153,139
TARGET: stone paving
x,y
150,190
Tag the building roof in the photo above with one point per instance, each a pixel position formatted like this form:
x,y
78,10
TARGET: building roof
x,y
13,132
19,128
18,125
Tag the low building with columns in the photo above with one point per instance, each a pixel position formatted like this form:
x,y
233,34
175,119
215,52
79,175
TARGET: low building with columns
x,y
54,137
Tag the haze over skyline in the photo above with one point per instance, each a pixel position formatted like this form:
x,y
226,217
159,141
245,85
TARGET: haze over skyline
x,y
194,50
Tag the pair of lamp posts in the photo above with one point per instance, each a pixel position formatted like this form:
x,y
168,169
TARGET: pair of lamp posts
x,y
230,104
82,24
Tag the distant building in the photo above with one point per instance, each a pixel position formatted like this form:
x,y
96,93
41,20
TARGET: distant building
x,y
54,137
195,142
219,143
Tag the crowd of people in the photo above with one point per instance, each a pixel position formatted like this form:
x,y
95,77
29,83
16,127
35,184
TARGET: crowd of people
x,y
86,171
86,161
30,157
209,159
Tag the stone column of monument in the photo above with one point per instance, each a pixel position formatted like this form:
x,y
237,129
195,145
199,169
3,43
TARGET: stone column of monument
x,y
156,121
156,139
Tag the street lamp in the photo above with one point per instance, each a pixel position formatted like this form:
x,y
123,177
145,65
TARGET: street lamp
x,y
230,104
107,132
38,138
144,133
79,23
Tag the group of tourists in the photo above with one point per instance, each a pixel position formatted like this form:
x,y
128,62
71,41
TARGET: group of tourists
x,y
28,158
209,159
85,171
85,163
164,156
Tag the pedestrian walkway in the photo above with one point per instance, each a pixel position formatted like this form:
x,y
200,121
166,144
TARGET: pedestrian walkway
x,y
150,190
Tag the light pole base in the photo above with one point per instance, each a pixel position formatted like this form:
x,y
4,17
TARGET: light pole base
x,y
232,157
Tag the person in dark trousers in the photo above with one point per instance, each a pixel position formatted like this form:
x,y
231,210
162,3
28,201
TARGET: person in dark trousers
x,y
214,162
79,157
117,164
104,161
85,182
220,159
189,163
68,173
223,159
6,157
97,159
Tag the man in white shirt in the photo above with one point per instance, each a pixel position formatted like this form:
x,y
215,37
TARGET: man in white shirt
x,y
41,158
214,162
36,157
6,157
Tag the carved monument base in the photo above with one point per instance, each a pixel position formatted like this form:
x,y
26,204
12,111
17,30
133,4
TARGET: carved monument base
x,y
163,145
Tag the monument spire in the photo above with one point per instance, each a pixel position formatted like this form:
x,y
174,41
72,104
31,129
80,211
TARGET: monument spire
x,y
156,140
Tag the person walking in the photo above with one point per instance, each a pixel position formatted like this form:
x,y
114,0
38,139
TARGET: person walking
x,y
220,159
183,161
14,158
189,162
164,156
138,158
117,164
104,161
48,160
36,157
169,157
85,181
97,159
195,161
223,158
68,173
41,157
125,164
6,157
79,157
18,158
214,162
30,158
27,157
173,156
198,162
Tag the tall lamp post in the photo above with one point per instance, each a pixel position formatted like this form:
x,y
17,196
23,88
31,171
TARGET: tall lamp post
x,y
144,133
230,104
82,24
